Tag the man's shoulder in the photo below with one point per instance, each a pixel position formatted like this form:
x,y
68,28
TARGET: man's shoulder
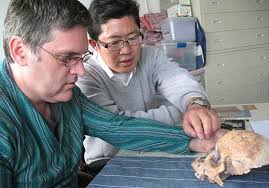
x,y
150,49
150,56
92,66
149,52
8,113
5,94
91,63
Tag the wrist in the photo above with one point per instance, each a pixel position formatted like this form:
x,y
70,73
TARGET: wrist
x,y
198,101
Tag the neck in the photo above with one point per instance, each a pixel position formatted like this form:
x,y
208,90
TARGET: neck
x,y
16,73
43,107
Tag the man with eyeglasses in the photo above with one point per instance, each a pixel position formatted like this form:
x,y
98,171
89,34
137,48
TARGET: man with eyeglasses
x,y
44,115
128,78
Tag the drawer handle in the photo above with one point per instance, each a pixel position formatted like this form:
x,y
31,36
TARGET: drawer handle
x,y
217,21
259,1
220,65
263,76
220,99
259,35
219,40
214,3
262,58
263,92
220,82
259,18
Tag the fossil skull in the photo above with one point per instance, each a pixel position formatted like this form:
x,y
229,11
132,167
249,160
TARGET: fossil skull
x,y
235,153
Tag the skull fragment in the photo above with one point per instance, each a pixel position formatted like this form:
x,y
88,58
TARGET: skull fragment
x,y
235,153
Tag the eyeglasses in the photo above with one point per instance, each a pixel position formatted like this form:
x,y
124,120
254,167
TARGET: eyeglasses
x,y
117,45
69,61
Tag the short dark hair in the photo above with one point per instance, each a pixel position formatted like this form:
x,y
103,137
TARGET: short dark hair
x,y
33,20
103,10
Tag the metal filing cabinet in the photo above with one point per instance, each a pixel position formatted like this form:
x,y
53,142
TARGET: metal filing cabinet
x,y
237,35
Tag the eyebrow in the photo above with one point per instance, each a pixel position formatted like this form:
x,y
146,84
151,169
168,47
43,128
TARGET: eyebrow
x,y
70,53
118,36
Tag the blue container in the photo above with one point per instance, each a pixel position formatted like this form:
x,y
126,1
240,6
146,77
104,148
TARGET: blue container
x,y
182,53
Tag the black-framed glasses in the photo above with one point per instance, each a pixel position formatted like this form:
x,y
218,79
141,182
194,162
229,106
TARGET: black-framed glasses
x,y
117,45
69,61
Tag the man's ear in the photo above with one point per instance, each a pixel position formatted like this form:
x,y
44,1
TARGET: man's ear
x,y
93,44
18,50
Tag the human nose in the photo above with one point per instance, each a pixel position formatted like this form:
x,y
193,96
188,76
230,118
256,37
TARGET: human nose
x,y
78,69
126,48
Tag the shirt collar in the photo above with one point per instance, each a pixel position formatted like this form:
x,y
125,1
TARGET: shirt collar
x,y
123,78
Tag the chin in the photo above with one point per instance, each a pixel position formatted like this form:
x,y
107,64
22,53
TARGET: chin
x,y
66,97
126,69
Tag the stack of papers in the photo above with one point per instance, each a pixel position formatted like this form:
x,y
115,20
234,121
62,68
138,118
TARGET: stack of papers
x,y
235,115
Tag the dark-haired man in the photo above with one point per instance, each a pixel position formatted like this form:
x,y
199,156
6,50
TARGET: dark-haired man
x,y
128,78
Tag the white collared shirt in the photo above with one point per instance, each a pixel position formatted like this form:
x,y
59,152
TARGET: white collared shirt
x,y
123,78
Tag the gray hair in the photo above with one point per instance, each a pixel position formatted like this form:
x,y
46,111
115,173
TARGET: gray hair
x,y
33,20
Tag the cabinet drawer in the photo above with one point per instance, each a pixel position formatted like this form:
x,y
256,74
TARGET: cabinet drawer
x,y
238,61
214,6
250,94
236,39
234,79
235,21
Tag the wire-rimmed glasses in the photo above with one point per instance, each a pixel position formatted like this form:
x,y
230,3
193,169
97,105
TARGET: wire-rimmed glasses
x,y
69,61
117,45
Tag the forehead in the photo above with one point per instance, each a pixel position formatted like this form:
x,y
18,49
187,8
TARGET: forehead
x,y
74,38
119,27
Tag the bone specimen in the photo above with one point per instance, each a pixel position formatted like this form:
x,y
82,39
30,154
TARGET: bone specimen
x,y
235,153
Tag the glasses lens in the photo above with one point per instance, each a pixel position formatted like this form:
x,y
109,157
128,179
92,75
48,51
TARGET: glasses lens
x,y
115,45
72,61
131,41
84,58
135,40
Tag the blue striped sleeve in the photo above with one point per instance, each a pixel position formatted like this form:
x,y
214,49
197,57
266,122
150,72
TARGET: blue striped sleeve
x,y
132,133
6,153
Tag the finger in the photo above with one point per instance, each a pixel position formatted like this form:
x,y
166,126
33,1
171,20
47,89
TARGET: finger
x,y
200,145
201,122
207,124
215,121
187,127
193,118
197,126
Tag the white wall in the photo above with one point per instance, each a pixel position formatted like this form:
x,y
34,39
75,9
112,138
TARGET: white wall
x,y
149,6
86,3
3,10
